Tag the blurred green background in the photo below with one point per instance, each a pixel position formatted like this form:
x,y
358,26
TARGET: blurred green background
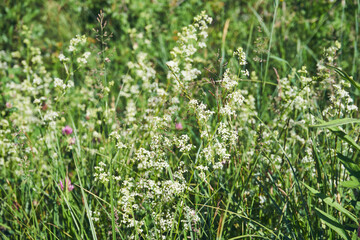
x,y
301,31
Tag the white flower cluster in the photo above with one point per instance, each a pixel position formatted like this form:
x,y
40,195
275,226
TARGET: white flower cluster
x,y
130,112
241,56
95,216
208,153
165,220
329,58
189,39
128,205
202,114
119,144
142,70
59,83
298,97
181,143
235,101
223,132
100,174
219,148
227,110
159,195
50,116
8,149
308,158
202,173
341,101
196,31
62,58
201,22
36,56
331,52
227,82
172,189
221,151
158,142
226,134
191,218
83,58
147,160
189,73
76,41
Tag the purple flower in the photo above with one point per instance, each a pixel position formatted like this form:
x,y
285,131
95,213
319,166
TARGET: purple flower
x,y
8,105
67,130
71,141
61,185
70,187
178,126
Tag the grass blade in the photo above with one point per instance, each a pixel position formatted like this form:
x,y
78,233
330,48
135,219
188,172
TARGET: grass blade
x,y
345,76
330,202
332,223
337,122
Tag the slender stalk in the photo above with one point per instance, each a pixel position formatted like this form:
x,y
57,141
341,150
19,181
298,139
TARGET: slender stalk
x,y
270,43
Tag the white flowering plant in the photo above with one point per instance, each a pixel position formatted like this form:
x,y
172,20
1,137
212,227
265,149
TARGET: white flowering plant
x,y
159,121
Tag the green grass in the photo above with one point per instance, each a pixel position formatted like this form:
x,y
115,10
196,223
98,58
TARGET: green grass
x,y
171,137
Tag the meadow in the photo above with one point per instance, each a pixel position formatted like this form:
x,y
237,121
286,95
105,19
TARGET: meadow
x,y
179,119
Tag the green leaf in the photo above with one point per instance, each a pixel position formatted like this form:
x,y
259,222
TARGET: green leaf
x,y
341,134
337,122
351,166
354,235
344,136
279,59
353,183
332,223
345,76
13,109
332,203
260,19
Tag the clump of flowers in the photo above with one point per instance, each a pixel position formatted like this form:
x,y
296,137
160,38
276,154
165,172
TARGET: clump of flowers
x,y
78,40
67,130
178,126
67,186
241,56
190,39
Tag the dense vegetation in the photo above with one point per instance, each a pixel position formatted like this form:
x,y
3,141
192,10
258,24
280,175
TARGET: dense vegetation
x,y
179,119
